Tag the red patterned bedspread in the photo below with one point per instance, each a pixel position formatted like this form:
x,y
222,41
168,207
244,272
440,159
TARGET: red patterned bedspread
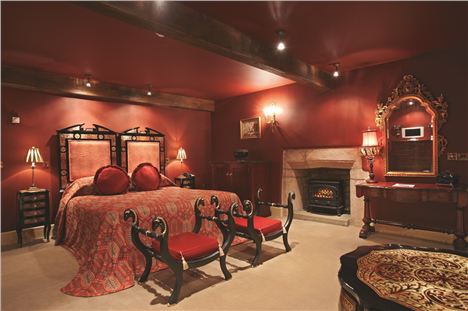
x,y
92,228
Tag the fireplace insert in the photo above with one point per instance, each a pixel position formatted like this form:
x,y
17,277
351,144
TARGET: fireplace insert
x,y
325,196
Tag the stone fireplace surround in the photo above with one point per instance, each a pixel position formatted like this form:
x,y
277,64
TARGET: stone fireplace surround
x,y
296,161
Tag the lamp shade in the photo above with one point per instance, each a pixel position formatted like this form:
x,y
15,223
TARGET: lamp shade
x,y
369,138
181,155
34,156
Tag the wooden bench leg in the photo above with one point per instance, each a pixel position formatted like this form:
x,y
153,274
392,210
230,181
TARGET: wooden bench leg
x,y
258,251
285,242
222,263
148,263
178,284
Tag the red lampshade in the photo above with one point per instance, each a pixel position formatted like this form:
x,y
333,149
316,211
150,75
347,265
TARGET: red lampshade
x,y
369,138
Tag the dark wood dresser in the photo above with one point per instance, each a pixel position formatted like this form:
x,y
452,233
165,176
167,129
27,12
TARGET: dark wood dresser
x,y
419,195
242,178
33,210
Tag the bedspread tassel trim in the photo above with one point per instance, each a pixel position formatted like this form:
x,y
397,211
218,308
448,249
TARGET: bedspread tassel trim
x,y
184,263
221,252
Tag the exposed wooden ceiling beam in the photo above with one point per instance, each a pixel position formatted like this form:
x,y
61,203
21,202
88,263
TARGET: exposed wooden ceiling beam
x,y
187,25
51,83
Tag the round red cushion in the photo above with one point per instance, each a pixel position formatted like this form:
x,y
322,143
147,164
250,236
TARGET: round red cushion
x,y
146,177
111,179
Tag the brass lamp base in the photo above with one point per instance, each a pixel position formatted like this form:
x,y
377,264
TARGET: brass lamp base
x,y
371,179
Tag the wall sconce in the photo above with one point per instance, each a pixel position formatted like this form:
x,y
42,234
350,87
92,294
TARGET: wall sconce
x,y
336,72
181,155
370,149
281,45
271,112
33,157
88,80
148,90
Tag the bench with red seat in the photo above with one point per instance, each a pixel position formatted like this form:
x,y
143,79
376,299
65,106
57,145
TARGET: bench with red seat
x,y
185,250
258,229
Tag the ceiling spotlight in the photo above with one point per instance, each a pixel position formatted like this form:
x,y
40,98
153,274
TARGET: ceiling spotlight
x,y
281,45
88,80
148,91
336,72
160,35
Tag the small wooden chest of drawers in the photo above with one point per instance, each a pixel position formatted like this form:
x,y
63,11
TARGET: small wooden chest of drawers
x,y
33,210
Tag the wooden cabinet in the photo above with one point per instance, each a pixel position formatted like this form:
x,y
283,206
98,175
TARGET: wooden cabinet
x,y
242,178
33,210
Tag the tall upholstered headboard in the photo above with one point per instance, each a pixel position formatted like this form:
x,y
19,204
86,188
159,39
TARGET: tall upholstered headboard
x,y
83,150
142,146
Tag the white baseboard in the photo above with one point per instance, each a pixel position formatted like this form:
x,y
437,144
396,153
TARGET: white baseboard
x,y
9,238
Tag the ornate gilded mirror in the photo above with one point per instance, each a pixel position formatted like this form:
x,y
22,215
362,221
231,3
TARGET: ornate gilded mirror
x,y
410,121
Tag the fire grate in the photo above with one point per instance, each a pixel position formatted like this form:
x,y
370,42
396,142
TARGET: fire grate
x,y
325,196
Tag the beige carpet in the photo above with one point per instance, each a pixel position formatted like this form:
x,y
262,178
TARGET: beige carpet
x,y
303,279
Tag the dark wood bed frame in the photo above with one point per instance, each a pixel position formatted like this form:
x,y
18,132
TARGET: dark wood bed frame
x,y
118,146
148,135
78,132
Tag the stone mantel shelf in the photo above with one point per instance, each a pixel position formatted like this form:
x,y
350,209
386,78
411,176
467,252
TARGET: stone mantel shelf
x,y
312,163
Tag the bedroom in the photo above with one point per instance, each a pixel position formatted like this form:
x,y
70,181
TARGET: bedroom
x,y
205,82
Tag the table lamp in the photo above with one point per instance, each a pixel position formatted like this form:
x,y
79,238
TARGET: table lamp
x,y
33,157
181,155
370,149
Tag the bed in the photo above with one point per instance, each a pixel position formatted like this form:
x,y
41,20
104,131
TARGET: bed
x,y
92,227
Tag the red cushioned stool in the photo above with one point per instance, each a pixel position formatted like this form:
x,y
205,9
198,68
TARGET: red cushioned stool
x,y
259,229
188,249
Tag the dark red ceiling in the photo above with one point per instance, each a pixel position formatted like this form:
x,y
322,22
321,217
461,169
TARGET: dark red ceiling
x,y
66,38
357,34
69,39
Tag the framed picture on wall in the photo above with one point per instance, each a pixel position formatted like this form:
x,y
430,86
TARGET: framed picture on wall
x,y
251,128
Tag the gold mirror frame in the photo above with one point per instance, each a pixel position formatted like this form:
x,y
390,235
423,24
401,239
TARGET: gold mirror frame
x,y
410,88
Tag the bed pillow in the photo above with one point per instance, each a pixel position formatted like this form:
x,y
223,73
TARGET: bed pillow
x,y
146,177
111,179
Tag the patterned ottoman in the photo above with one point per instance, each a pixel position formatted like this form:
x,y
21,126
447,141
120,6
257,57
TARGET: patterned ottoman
x,y
395,277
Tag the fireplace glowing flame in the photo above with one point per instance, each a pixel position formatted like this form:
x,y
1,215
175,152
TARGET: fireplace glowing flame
x,y
324,193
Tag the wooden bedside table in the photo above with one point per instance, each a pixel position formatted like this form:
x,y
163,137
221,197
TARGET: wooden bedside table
x,y
186,180
33,210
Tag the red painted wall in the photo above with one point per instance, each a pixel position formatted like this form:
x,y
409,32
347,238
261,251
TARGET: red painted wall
x,y
337,118
41,115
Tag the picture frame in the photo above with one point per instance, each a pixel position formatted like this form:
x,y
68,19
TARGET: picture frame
x,y
251,128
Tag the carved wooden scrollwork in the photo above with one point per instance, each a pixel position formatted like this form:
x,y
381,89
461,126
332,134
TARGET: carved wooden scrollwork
x,y
442,144
409,85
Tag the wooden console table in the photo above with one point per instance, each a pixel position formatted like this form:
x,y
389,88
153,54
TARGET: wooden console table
x,y
419,194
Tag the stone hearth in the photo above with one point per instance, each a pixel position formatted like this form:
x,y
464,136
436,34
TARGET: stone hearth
x,y
297,161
